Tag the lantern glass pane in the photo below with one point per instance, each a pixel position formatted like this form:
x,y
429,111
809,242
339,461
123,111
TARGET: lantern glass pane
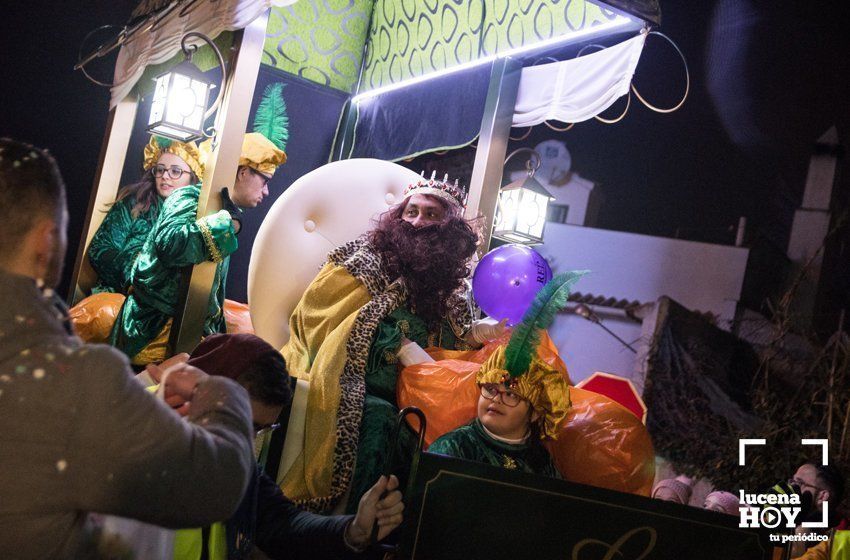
x,y
526,211
181,99
508,205
195,119
160,95
535,209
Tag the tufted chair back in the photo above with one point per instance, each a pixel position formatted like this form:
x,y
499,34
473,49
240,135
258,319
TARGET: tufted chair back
x,y
320,211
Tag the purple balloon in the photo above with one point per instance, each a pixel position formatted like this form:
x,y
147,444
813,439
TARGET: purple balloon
x,y
507,279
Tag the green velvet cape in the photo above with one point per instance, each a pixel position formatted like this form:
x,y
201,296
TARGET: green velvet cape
x,y
117,242
380,410
178,239
473,443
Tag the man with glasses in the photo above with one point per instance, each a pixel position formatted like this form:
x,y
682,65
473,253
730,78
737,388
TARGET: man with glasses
x,y
817,484
179,239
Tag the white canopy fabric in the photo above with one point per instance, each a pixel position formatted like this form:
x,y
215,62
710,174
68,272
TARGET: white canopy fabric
x,y
578,89
163,42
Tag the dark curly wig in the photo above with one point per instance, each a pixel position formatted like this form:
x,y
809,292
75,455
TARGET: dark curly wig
x,y
432,260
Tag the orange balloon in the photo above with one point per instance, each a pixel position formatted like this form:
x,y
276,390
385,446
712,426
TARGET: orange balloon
x,y
603,444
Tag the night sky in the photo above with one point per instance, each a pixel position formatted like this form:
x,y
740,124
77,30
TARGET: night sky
x,y
767,79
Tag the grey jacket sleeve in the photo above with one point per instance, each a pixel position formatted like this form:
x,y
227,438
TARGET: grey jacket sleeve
x,y
131,455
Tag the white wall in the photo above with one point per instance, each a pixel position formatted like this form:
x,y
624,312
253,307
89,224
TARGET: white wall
x,y
700,276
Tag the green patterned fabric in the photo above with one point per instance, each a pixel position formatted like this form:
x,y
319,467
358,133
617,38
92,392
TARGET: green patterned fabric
x,y
319,40
380,410
118,240
471,442
409,38
323,40
177,240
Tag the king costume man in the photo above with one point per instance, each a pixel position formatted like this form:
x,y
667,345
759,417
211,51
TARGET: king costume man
x,y
403,282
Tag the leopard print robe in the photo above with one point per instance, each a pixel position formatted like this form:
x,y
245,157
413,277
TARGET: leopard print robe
x,y
360,260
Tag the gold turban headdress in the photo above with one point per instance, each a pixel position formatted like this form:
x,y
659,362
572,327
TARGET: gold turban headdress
x,y
542,386
519,369
187,151
259,153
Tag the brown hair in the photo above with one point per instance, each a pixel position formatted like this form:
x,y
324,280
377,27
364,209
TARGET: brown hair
x,y
144,191
30,187
433,260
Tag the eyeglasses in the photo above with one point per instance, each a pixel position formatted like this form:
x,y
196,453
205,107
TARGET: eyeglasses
x,y
794,481
263,429
262,176
508,398
175,171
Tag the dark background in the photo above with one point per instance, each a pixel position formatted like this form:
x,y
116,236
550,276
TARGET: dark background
x,y
767,79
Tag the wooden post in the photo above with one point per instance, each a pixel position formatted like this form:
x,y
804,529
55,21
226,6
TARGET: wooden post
x,y
231,123
107,181
493,144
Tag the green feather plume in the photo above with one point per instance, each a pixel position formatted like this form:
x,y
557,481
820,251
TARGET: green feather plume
x,y
163,142
526,336
271,119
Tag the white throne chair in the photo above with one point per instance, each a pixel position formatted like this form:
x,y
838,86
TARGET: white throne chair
x,y
320,211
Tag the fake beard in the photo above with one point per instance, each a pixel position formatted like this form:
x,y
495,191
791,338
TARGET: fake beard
x,y
432,260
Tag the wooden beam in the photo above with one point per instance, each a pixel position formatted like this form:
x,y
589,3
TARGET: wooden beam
x,y
230,124
107,181
493,144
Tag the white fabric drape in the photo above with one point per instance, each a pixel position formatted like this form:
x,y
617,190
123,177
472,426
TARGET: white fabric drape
x,y
578,89
163,42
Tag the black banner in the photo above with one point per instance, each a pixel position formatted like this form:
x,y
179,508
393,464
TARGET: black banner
x,y
460,509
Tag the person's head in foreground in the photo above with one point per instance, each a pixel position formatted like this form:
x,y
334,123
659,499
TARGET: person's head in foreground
x,y
261,370
676,490
724,502
824,483
253,363
426,241
33,213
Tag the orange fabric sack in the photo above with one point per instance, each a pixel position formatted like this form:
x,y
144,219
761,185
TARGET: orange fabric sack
x,y
444,390
94,316
238,317
603,444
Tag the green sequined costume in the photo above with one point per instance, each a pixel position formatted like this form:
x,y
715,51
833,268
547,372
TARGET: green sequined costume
x,y
380,410
118,241
471,442
177,239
